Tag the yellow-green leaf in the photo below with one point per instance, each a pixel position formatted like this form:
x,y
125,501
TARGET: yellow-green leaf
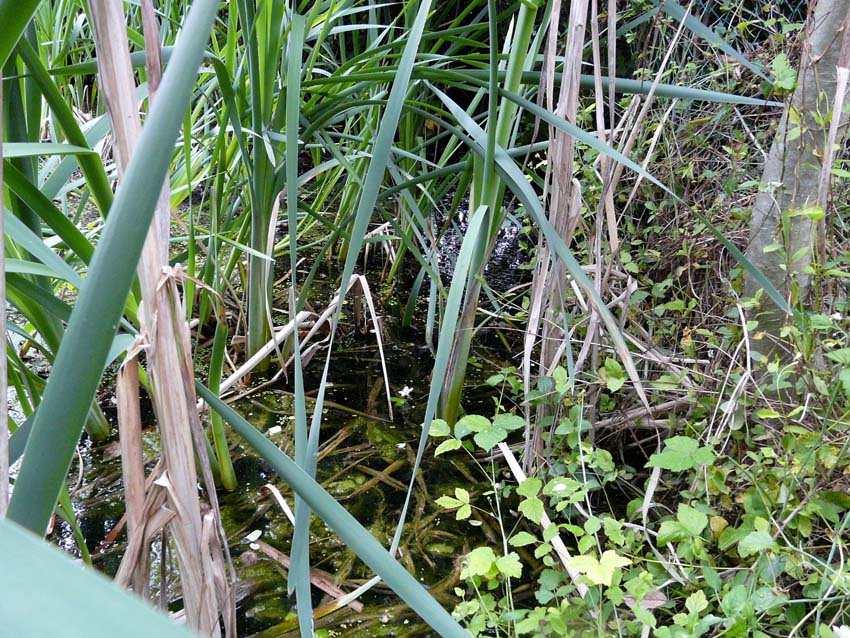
x,y
599,572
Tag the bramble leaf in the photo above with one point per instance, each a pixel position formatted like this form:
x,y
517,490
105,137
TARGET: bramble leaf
x,y
529,487
599,572
681,453
448,502
692,519
471,423
615,376
480,561
696,602
784,75
439,428
509,422
510,565
447,446
755,542
522,539
532,509
489,437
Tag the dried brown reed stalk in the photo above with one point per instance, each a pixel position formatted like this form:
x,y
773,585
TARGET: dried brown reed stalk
x,y
133,465
563,194
563,198
321,580
173,499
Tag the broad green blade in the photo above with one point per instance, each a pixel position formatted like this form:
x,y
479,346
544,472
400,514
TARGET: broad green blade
x,y
365,207
19,438
26,239
94,133
244,248
642,87
480,77
137,60
14,16
44,208
39,296
96,316
631,24
90,164
475,233
23,267
30,149
299,572
352,533
46,593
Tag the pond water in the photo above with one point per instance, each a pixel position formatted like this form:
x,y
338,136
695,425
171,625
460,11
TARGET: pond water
x,y
365,462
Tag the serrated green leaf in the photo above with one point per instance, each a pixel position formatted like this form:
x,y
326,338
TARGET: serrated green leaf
x,y
586,543
703,456
562,380
448,502
550,532
681,453
644,615
784,75
532,509
583,564
696,602
841,355
542,549
495,379
692,519
462,495
671,532
509,422
489,438
615,376
530,625
464,512
439,428
731,535
844,379
755,542
734,600
614,530
480,561
447,446
599,572
510,565
522,539
562,487
529,487
592,525
473,423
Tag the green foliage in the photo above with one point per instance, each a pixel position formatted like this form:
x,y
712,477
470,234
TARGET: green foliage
x,y
746,528
600,571
681,453
358,118
784,75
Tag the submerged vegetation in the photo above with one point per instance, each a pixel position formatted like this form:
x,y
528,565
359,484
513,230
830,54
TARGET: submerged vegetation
x,y
492,318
